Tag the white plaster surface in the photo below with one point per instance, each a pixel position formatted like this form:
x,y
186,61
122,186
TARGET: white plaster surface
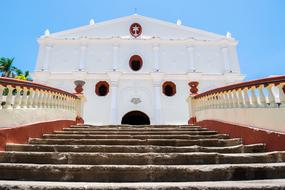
x,y
164,48
19,117
271,119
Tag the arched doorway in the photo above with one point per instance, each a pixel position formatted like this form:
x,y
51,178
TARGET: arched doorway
x,y
135,118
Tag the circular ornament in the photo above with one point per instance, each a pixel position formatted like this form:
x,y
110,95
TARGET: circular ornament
x,y
135,30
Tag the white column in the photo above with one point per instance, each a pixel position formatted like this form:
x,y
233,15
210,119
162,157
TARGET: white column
x,y
156,57
114,106
114,78
81,66
157,102
191,64
47,55
225,53
115,56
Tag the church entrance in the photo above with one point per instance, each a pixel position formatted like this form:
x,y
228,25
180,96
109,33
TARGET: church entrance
x,y
135,118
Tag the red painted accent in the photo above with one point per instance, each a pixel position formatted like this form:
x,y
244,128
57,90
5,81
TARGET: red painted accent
x,y
135,33
256,83
79,89
99,84
172,85
22,134
192,121
28,84
135,58
274,141
193,87
79,86
79,120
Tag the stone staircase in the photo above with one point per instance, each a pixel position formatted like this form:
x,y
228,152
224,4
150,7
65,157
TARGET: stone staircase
x,y
140,157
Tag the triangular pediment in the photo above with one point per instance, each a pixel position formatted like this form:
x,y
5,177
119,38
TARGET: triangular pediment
x,y
151,28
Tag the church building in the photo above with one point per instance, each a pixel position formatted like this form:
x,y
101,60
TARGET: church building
x,y
136,69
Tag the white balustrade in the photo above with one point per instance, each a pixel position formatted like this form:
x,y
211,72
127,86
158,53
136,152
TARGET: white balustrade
x,y
243,96
16,94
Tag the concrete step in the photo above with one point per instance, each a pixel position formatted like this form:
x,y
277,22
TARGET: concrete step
x,y
145,173
197,158
119,136
134,149
138,132
135,126
159,142
130,129
269,184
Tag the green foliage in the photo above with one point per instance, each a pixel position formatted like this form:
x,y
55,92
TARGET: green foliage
x,y
8,70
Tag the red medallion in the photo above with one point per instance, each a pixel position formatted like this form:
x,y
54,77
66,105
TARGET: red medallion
x,y
135,29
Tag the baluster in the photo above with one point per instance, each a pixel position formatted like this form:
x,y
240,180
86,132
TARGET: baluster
x,y
57,100
41,98
224,100
31,98
271,99
240,98
50,100
235,98
17,100
253,97
1,95
219,100
262,99
36,98
24,101
228,99
8,104
73,104
246,98
61,101
46,99
64,102
281,94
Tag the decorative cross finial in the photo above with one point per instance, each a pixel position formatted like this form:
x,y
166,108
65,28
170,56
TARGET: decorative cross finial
x,y
47,33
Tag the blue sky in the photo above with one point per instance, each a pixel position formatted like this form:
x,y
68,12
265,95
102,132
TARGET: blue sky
x,y
259,25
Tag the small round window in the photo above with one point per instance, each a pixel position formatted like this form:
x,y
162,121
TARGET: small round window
x,y
169,88
136,62
102,88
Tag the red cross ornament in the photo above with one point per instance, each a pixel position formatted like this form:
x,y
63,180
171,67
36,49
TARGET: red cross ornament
x,y
135,29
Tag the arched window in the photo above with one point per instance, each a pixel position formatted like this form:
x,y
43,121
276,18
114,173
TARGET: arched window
x,y
136,62
169,88
102,88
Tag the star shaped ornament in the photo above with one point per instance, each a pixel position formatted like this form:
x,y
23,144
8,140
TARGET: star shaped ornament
x,y
135,29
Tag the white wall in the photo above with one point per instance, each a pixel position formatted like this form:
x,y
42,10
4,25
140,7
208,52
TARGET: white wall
x,y
19,117
63,54
264,118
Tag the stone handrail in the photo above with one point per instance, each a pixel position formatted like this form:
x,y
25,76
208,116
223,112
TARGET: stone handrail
x,y
26,94
256,93
20,97
258,103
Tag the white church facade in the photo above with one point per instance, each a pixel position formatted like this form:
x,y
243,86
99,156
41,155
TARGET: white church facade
x,y
136,67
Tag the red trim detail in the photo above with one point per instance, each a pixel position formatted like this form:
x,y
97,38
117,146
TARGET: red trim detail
x,y
193,87
264,81
274,141
169,83
22,134
79,120
135,58
28,84
192,121
139,30
99,84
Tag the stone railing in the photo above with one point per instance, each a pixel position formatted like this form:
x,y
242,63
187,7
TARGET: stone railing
x,y
23,102
257,103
